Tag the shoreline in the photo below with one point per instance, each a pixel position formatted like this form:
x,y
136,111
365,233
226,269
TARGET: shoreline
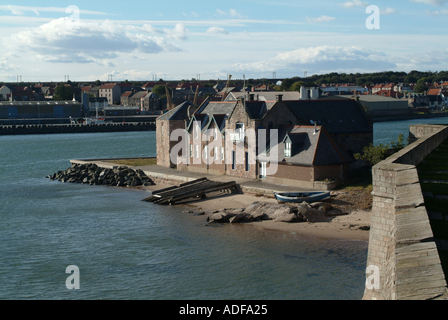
x,y
344,227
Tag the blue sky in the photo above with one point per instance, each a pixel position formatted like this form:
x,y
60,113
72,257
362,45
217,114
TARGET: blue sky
x,y
41,41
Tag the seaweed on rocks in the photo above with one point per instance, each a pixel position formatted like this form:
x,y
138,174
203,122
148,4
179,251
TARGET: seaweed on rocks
x,y
91,174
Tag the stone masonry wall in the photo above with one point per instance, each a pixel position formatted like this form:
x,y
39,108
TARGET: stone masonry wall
x,y
403,262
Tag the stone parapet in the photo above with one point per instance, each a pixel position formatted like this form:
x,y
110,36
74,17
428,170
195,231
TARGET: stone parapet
x,y
402,248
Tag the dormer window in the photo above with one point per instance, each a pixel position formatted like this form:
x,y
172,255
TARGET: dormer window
x,y
287,149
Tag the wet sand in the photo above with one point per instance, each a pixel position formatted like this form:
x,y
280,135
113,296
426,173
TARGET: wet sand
x,y
344,227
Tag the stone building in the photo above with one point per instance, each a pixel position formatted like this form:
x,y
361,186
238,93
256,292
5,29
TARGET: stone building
x,y
288,142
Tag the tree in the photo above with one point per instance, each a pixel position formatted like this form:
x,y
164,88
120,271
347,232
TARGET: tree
x,y
372,154
375,154
159,90
420,87
63,92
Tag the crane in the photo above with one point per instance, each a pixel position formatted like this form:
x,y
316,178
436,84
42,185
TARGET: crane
x,y
195,101
224,96
169,104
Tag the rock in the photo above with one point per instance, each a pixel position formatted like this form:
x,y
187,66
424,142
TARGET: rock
x,y
280,212
289,218
311,215
94,175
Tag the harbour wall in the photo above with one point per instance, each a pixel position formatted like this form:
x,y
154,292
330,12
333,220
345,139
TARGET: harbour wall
x,y
403,262
76,128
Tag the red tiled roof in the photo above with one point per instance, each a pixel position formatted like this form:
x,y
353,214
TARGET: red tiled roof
x,y
108,86
433,92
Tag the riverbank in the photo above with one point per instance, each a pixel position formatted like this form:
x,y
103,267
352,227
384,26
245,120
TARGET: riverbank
x,y
354,225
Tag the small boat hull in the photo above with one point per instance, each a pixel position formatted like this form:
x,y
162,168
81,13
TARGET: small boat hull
x,y
300,197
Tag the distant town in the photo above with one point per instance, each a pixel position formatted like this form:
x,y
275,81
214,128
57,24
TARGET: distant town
x,y
381,94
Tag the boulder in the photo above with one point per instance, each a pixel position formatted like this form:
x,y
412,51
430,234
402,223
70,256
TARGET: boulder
x,y
311,215
94,175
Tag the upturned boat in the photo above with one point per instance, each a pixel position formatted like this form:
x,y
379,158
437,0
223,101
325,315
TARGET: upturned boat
x,y
302,196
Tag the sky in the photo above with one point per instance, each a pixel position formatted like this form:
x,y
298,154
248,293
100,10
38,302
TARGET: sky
x,y
84,40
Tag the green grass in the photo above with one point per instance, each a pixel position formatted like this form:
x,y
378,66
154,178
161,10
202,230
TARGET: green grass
x,y
135,162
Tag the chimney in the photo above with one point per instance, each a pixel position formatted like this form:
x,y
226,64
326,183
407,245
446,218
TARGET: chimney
x,y
279,97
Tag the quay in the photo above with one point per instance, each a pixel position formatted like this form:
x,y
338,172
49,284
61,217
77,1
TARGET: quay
x,y
75,128
168,176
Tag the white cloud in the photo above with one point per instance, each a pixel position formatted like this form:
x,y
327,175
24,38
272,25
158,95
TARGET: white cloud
x,y
220,12
179,32
321,60
217,30
232,12
97,42
432,2
354,3
321,19
388,11
20,10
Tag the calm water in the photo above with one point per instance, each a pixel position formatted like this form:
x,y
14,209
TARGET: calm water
x,y
129,249
385,132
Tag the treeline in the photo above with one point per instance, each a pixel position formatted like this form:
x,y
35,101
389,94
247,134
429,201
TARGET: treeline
x,y
361,79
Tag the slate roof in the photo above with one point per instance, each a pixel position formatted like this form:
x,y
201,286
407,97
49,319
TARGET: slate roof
x,y
178,113
310,147
256,109
337,116
218,108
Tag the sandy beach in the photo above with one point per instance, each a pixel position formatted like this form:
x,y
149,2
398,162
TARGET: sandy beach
x,y
353,226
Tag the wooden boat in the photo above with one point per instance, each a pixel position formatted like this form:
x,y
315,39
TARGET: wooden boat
x,y
302,196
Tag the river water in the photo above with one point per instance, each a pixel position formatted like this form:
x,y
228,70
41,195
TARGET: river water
x,y
128,249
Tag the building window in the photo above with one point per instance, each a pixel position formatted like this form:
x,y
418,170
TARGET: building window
x,y
233,160
287,149
216,153
222,153
205,152
191,150
247,162
196,153
262,170
238,135
196,131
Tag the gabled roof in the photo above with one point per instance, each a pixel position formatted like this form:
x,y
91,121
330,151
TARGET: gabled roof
x,y
108,86
127,93
434,92
218,120
213,107
204,119
178,113
310,146
337,116
256,109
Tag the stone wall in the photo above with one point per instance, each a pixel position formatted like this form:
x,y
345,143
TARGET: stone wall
x,y
403,256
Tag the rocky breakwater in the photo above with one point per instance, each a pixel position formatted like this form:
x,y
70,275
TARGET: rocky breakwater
x,y
258,211
91,174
